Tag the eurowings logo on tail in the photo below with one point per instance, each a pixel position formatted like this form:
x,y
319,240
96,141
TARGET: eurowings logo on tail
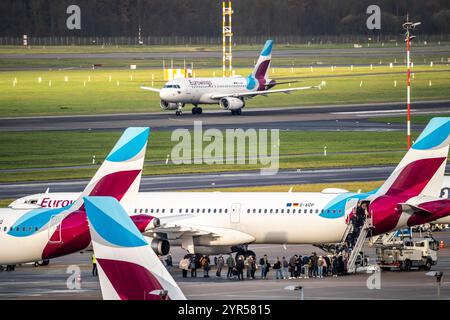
x,y
421,171
410,195
259,77
128,267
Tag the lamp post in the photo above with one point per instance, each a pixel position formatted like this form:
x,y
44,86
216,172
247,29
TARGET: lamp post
x,y
409,27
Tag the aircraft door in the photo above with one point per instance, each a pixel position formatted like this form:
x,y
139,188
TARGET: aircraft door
x,y
349,206
235,213
54,229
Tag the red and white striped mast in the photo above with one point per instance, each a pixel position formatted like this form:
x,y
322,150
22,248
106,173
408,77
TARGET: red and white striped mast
x,y
408,26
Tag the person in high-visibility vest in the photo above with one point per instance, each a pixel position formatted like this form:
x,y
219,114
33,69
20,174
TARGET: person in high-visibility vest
x,y
94,266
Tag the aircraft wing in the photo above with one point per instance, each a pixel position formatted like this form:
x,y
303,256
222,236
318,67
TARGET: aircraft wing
x,y
179,226
264,92
150,89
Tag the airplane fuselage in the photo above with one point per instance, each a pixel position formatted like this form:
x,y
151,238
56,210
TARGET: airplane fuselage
x,y
202,90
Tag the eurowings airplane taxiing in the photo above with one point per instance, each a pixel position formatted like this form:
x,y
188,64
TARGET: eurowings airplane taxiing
x,y
42,233
229,92
128,268
223,222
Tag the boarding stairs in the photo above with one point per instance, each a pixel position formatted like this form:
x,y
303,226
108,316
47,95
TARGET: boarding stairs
x,y
365,229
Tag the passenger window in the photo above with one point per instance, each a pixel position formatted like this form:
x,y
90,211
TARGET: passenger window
x,y
226,210
140,210
157,210
135,210
36,228
209,210
265,210
311,211
171,210
146,210
151,210
282,210
248,210
192,210
198,210
23,229
287,210
271,210
215,210
276,211
180,210
204,210
259,211
220,210
317,210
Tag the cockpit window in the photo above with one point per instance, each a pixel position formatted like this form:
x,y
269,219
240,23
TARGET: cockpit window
x,y
174,86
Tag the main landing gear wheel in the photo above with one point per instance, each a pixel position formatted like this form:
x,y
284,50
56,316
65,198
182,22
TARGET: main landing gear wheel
x,y
245,254
236,112
197,110
178,113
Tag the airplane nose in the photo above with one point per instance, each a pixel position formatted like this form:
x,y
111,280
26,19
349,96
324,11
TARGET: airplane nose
x,y
163,94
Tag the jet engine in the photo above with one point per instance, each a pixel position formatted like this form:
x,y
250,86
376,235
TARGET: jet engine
x,y
161,247
168,105
230,103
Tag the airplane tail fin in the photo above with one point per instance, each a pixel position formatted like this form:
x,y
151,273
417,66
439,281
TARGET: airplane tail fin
x,y
128,267
261,70
120,174
421,171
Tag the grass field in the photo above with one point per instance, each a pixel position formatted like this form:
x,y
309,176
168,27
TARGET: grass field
x,y
27,93
298,149
362,186
417,119
185,48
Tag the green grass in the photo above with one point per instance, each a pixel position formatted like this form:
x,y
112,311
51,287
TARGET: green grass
x,y
180,48
122,93
4,202
416,119
364,186
298,149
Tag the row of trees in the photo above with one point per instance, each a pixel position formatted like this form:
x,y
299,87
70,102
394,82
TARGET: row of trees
x,y
203,17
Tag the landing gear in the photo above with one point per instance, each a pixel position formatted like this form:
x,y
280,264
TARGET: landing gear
x,y
245,254
41,263
1,268
10,267
197,110
180,109
236,112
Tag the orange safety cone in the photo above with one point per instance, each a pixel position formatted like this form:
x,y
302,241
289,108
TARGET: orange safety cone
x,y
441,244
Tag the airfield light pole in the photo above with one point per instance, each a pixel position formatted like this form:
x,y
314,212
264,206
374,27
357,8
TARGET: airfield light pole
x,y
409,26
227,39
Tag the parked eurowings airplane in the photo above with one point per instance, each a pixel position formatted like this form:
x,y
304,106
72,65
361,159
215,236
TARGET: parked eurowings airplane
x,y
128,268
43,233
222,222
229,92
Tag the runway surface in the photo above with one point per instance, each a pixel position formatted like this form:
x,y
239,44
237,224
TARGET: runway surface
x,y
213,180
351,117
342,52
50,282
